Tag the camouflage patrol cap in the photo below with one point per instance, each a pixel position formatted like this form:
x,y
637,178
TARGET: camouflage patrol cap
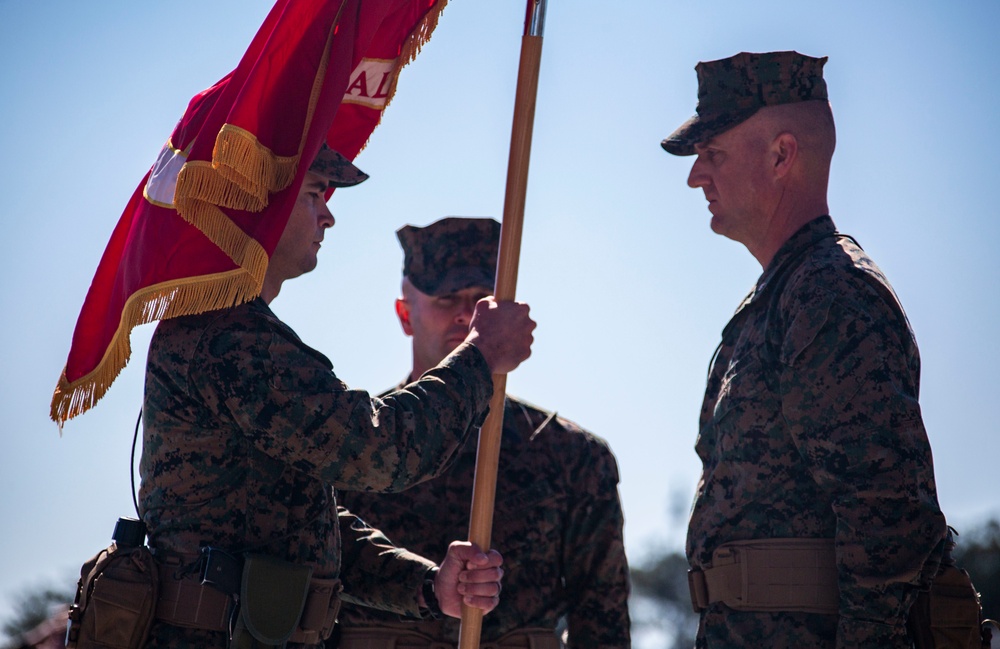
x,y
449,255
338,170
731,90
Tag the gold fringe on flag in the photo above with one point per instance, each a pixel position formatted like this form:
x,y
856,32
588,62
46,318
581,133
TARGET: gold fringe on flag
x,y
244,250
200,182
167,300
415,42
242,174
240,158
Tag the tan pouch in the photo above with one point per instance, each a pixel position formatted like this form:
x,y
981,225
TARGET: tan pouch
x,y
272,597
115,600
949,614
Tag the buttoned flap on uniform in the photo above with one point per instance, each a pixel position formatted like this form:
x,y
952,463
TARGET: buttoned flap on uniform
x,y
741,382
527,518
744,409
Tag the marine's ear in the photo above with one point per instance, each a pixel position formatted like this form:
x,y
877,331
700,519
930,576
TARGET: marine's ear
x,y
403,313
785,151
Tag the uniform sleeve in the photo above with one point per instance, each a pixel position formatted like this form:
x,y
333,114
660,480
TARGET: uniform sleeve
x,y
849,399
595,565
291,406
375,572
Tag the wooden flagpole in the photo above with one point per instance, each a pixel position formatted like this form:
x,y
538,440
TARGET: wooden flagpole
x,y
488,453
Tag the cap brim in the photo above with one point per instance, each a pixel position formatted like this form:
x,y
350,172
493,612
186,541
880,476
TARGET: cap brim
x,y
357,177
336,168
701,129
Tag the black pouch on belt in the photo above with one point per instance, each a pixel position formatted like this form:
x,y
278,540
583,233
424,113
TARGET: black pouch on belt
x,y
272,597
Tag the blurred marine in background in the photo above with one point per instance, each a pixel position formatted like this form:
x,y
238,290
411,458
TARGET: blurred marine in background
x,y
558,517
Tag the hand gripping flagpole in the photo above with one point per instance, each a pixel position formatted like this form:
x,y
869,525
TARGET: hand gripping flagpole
x,y
488,453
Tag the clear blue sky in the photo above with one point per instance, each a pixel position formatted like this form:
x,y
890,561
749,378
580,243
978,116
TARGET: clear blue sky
x,y
627,282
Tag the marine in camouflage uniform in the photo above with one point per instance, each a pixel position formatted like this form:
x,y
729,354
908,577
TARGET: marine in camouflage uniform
x,y
558,519
248,433
810,427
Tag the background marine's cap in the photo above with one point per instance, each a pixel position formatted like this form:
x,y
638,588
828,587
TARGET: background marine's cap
x,y
338,170
449,255
731,90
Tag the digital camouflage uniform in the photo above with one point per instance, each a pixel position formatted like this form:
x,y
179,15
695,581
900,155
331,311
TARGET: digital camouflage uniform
x,y
558,522
247,432
810,428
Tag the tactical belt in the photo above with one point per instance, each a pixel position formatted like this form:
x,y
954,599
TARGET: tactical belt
x,y
769,575
399,638
185,602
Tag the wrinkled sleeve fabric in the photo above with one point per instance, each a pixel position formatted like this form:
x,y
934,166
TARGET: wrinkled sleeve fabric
x,y
286,399
596,569
849,400
376,573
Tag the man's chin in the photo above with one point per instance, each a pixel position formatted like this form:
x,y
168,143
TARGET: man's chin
x,y
717,224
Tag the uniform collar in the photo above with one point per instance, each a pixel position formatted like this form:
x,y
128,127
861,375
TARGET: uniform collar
x,y
819,228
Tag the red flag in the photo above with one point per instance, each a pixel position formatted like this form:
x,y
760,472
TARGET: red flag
x,y
200,228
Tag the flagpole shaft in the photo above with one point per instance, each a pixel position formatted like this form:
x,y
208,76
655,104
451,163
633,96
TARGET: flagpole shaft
x,y
508,257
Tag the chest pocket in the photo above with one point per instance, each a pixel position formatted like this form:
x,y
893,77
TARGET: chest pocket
x,y
743,421
741,384
530,517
